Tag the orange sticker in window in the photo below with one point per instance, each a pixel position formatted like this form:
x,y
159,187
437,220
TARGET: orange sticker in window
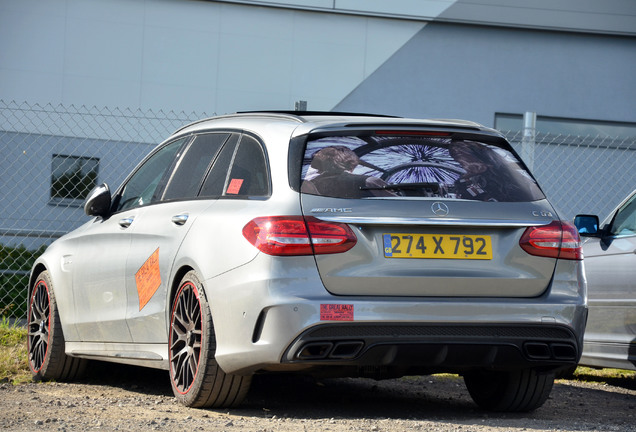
x,y
336,312
234,187
148,279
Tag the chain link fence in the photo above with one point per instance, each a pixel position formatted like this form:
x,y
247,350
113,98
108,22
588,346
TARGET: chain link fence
x,y
580,174
52,156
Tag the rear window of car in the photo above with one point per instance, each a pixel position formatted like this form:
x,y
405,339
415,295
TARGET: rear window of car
x,y
396,165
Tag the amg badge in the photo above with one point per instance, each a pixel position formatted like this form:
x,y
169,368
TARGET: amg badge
x,y
331,210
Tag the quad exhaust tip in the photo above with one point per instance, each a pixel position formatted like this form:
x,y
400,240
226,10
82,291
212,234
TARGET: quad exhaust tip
x,y
344,350
549,351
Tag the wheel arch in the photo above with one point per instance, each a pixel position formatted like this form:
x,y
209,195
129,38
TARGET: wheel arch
x,y
174,287
35,272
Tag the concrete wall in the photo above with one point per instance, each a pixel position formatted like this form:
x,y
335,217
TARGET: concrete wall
x,y
473,72
587,16
187,55
221,56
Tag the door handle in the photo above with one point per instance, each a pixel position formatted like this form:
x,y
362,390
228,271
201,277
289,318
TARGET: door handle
x,y
180,219
125,222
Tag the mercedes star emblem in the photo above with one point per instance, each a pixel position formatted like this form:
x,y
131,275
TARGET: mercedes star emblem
x,y
439,208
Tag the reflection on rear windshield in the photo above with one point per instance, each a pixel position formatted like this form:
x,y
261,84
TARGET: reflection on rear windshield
x,y
392,166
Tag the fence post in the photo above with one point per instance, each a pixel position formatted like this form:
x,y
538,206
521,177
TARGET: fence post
x,y
528,138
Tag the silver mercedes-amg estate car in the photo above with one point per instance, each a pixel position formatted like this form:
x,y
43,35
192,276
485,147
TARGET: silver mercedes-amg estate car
x,y
329,244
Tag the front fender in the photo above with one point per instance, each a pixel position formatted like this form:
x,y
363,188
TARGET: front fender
x,y
53,261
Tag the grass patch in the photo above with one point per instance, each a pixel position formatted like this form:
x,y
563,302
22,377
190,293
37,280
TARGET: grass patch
x,y
603,375
14,367
614,377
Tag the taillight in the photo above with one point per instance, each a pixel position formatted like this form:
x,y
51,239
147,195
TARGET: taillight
x,y
556,240
295,235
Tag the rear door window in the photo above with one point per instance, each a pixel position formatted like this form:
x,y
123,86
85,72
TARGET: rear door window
x,y
395,165
192,167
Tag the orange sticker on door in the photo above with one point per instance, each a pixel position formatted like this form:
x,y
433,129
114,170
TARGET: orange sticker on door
x,y
148,279
336,312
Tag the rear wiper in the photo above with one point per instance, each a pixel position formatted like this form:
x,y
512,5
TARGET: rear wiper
x,y
433,187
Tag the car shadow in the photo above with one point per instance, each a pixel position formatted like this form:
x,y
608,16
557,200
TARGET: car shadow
x,y
305,397
133,378
438,398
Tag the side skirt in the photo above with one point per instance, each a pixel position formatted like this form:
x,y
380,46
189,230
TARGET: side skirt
x,y
146,355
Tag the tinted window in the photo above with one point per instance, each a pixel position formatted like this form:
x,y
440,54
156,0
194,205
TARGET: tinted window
x,y
191,169
215,180
419,166
625,220
249,175
141,188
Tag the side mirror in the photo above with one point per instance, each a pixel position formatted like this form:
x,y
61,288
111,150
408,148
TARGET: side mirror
x,y
587,225
98,201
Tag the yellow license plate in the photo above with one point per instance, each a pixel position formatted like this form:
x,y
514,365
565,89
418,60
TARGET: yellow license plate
x,y
447,246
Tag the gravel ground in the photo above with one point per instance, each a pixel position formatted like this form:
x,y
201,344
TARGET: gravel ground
x,y
123,398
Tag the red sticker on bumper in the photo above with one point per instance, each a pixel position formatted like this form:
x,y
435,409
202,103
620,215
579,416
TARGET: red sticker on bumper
x,y
336,312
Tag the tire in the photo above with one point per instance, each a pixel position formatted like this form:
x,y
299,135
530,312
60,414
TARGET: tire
x,y
45,339
196,378
509,391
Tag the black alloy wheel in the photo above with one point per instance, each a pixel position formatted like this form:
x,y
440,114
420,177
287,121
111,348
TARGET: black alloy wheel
x,y
196,378
45,338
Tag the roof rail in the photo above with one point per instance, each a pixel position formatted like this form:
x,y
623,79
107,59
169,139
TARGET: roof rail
x,y
238,114
295,115
317,113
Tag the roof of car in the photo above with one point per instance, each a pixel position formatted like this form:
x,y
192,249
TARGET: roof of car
x,y
339,119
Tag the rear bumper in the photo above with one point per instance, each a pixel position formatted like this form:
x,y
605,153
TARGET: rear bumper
x,y
432,347
414,337
266,324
